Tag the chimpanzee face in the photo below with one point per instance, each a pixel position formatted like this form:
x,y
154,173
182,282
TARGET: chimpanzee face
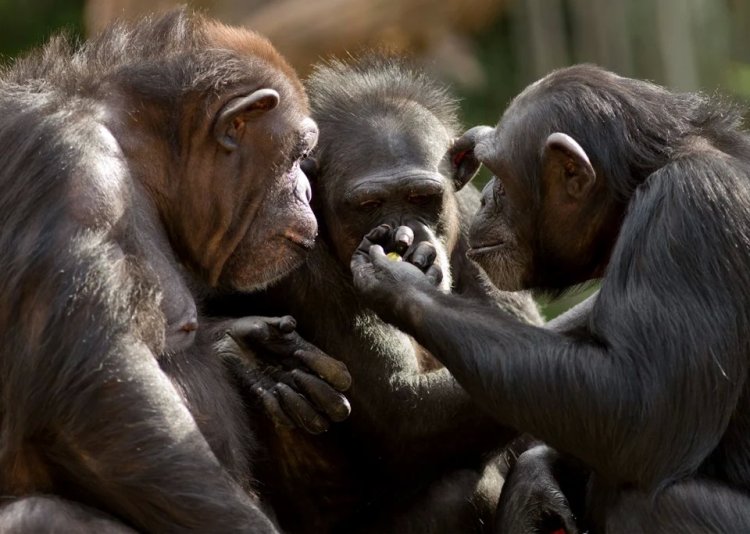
x,y
243,202
543,210
502,231
393,171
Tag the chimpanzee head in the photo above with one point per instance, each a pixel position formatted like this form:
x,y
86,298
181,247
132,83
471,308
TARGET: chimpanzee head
x,y
566,157
384,131
215,128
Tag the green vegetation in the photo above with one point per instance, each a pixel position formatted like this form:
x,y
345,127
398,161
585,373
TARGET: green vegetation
x,y
26,23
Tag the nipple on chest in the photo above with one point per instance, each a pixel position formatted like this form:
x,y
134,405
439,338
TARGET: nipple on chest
x,y
191,325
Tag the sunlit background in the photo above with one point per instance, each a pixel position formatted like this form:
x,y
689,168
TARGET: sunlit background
x,y
488,50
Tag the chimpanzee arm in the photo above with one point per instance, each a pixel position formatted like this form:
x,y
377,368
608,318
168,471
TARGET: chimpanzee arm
x,y
665,358
394,400
403,406
78,374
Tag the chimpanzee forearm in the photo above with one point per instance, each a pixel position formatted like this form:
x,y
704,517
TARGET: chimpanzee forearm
x,y
524,375
405,407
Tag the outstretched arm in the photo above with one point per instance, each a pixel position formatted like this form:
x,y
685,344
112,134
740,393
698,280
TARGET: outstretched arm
x,y
608,398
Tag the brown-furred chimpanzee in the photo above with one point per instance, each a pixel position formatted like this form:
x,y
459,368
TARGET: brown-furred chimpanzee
x,y
413,455
602,176
152,164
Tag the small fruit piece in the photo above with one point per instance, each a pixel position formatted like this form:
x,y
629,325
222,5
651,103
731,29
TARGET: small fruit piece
x,y
394,256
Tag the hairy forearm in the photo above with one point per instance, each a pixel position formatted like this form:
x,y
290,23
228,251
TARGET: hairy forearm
x,y
412,408
433,406
529,378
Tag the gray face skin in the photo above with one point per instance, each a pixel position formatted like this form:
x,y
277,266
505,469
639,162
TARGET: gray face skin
x,y
389,174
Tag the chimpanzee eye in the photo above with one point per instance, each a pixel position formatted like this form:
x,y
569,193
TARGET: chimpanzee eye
x,y
419,200
370,205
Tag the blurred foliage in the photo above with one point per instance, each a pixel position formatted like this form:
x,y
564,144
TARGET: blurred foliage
x,y
494,48
551,308
26,23
738,79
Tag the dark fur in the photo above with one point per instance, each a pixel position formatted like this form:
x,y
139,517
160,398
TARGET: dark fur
x,y
411,458
649,389
94,254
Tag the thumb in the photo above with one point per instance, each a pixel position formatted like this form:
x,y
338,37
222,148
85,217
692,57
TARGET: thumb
x,y
377,254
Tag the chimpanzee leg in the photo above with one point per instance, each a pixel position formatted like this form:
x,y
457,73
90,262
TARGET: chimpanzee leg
x,y
690,506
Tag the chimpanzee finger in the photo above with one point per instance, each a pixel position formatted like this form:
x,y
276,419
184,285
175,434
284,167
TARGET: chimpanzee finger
x,y
329,369
360,257
422,255
377,254
434,274
273,409
286,324
379,235
403,237
248,327
328,400
260,329
297,407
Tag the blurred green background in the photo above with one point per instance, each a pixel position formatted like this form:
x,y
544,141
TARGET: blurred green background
x,y
488,50
24,24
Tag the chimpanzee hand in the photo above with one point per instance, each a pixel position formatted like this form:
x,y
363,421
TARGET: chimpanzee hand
x,y
379,274
297,383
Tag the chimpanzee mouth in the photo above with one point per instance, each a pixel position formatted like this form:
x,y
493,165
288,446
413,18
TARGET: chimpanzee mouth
x,y
304,243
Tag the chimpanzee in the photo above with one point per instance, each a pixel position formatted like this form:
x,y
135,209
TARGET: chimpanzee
x,y
602,176
413,455
153,164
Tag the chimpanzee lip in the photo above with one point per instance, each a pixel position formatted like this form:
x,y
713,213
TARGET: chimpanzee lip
x,y
301,242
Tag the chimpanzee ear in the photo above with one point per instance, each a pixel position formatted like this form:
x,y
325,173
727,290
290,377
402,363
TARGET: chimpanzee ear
x,y
563,156
309,166
230,122
463,163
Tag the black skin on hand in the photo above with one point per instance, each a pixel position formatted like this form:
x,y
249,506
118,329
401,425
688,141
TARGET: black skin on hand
x,y
271,358
647,189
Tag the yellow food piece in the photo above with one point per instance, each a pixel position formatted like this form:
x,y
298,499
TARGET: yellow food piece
x,y
394,256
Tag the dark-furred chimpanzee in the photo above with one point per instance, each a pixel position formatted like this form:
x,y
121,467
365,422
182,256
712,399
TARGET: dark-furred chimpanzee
x,y
412,456
602,176
155,158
